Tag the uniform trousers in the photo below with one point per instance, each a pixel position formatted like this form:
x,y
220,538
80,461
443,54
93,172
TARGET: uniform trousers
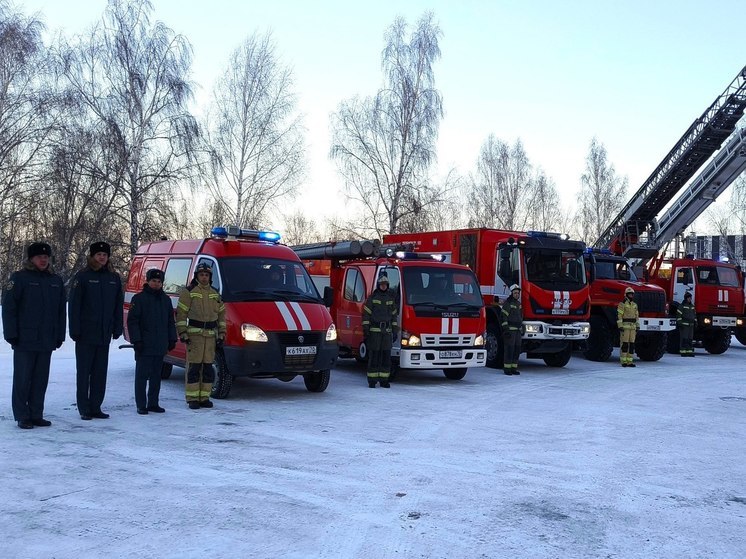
x,y
30,380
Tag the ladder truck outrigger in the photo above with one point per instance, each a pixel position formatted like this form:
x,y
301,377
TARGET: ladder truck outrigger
x,y
550,271
441,316
642,233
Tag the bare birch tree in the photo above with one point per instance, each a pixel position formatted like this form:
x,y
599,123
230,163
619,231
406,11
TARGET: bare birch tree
x,y
384,145
131,75
255,134
602,193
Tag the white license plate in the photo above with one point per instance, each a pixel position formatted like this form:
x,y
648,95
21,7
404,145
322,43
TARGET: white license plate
x,y
654,327
560,311
449,354
301,350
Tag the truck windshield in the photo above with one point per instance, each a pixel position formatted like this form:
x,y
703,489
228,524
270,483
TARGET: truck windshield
x,y
557,270
614,269
441,287
717,275
266,279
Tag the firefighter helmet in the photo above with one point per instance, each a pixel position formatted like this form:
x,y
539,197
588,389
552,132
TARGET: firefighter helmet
x,y
629,290
383,278
515,287
203,267
688,295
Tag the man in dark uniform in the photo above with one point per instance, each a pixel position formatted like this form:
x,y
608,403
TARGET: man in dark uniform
x,y
380,324
34,325
512,323
95,311
152,331
686,319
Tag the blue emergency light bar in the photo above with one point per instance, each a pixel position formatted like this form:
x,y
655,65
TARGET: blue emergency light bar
x,y
404,255
546,234
593,250
233,231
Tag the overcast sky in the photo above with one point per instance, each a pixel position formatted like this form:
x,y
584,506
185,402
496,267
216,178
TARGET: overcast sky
x,y
554,74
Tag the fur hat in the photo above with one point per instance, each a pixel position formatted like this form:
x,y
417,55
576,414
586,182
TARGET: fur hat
x,y
100,246
154,273
38,249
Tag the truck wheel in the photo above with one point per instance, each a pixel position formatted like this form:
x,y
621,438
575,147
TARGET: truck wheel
x,y
223,378
741,334
600,343
559,359
494,346
362,353
317,382
651,346
455,374
166,370
717,342
673,344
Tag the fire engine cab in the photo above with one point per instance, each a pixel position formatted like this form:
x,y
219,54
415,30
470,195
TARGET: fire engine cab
x,y
548,267
277,324
441,314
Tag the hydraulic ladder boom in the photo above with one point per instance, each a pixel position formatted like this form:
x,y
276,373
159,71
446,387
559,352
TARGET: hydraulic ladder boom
x,y
726,167
696,146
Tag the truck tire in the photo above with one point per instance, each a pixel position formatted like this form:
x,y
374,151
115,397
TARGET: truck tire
x,y
559,359
716,341
493,343
600,342
166,370
651,346
455,374
362,353
673,343
740,334
223,378
317,382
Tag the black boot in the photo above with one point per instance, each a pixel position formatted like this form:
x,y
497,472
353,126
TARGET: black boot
x,y
385,384
371,383
193,405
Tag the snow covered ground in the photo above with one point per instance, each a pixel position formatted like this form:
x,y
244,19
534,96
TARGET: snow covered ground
x,y
592,460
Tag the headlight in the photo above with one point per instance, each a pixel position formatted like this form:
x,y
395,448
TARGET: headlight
x,y
410,340
585,329
533,328
331,333
479,340
707,321
739,322
253,333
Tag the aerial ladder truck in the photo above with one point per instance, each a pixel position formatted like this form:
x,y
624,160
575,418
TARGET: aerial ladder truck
x,y
642,232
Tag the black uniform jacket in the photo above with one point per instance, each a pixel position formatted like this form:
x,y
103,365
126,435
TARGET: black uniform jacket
x,y
34,309
95,306
151,321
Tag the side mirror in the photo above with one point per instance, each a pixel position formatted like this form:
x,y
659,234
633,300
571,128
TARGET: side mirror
x,y
328,296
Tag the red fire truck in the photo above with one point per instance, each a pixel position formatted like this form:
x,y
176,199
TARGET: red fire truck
x,y
610,275
441,315
548,267
717,294
277,326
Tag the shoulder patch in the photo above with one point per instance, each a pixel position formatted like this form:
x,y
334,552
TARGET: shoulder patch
x,y
8,285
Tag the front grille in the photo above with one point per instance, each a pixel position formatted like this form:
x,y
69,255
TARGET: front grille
x,y
299,361
447,340
291,338
650,301
563,331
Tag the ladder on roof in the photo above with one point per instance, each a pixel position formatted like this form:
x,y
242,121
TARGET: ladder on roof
x,y
703,138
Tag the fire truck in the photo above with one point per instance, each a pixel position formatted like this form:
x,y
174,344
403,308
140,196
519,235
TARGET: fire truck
x,y
277,326
644,232
441,315
550,271
609,276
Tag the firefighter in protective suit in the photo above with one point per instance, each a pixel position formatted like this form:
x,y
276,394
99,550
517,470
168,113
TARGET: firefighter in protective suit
x,y
380,324
686,318
627,315
512,324
200,321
